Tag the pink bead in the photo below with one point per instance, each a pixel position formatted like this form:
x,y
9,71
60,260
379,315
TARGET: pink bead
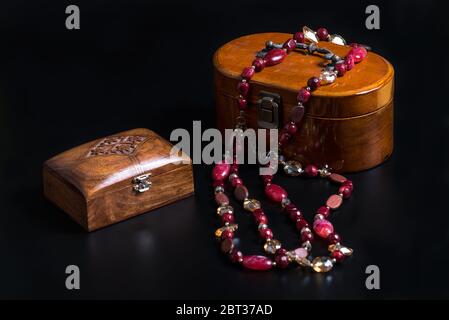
x,y
274,56
322,34
299,37
275,193
341,69
359,53
266,233
337,178
301,253
259,64
221,171
243,88
290,45
259,263
301,223
323,210
333,238
227,217
334,201
291,128
314,83
281,260
345,191
311,170
349,61
303,95
248,73
323,227
243,104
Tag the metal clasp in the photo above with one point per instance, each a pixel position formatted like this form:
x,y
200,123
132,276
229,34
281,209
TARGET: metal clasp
x,y
268,110
142,183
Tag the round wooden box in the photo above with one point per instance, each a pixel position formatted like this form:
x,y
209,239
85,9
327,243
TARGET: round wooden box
x,y
348,124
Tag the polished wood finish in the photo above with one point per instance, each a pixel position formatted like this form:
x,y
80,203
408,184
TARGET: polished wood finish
x,y
93,183
348,124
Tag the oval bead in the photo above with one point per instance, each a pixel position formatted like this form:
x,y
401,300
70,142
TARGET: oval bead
x,y
322,264
259,263
358,53
275,192
337,178
274,56
241,192
334,201
221,171
323,228
301,253
221,199
297,113
248,73
243,88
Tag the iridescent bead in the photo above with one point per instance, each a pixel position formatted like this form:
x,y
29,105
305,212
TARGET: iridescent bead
x,y
323,228
328,76
322,264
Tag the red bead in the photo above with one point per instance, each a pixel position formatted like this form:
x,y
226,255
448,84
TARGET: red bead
x,y
236,256
275,193
289,207
236,181
284,138
227,217
290,45
297,113
311,170
221,171
243,88
218,183
259,64
274,56
306,236
349,184
248,73
323,210
259,263
227,234
291,128
359,53
345,191
261,218
301,223
349,61
281,260
243,104
322,34
341,69
303,95
299,37
314,83
337,255
234,168
221,199
333,238
266,233
323,227
294,214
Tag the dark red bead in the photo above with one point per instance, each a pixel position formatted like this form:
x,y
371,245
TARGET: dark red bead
x,y
314,83
303,95
359,53
291,128
275,192
234,168
236,181
227,217
243,104
333,238
294,214
243,88
221,171
218,183
284,138
274,56
348,183
267,178
299,37
281,260
349,61
281,251
266,233
259,64
322,34
345,191
289,207
221,199
248,73
236,256
337,255
301,223
290,45
323,210
297,113
261,218
306,236
311,170
341,69
227,234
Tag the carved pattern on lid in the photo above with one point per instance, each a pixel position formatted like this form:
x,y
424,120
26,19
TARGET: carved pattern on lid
x,y
119,145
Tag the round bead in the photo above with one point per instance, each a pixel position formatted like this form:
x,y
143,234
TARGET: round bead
x,y
299,37
294,214
241,192
341,69
248,73
227,234
303,95
290,45
324,211
291,128
333,238
313,83
275,193
337,255
322,34
349,62
334,201
243,88
297,113
243,104
259,64
236,182
281,260
221,171
345,191
349,184
236,256
359,53
266,233
267,178
261,218
227,217
323,228
258,263
234,168
301,223
311,170
306,236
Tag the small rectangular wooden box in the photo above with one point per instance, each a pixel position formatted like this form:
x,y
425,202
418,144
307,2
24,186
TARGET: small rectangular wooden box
x,y
348,124
117,177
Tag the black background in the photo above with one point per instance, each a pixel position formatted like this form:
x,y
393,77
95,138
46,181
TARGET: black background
x,y
148,64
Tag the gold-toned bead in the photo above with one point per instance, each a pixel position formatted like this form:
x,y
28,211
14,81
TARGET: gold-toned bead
x,y
322,264
219,231
303,262
251,205
224,209
271,246
345,250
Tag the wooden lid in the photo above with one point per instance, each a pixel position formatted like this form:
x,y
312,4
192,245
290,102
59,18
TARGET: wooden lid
x,y
112,162
364,89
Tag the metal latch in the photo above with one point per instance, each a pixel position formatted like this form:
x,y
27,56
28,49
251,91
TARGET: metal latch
x,y
142,183
268,110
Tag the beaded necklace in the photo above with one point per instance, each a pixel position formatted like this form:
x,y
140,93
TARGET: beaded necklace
x,y
224,172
